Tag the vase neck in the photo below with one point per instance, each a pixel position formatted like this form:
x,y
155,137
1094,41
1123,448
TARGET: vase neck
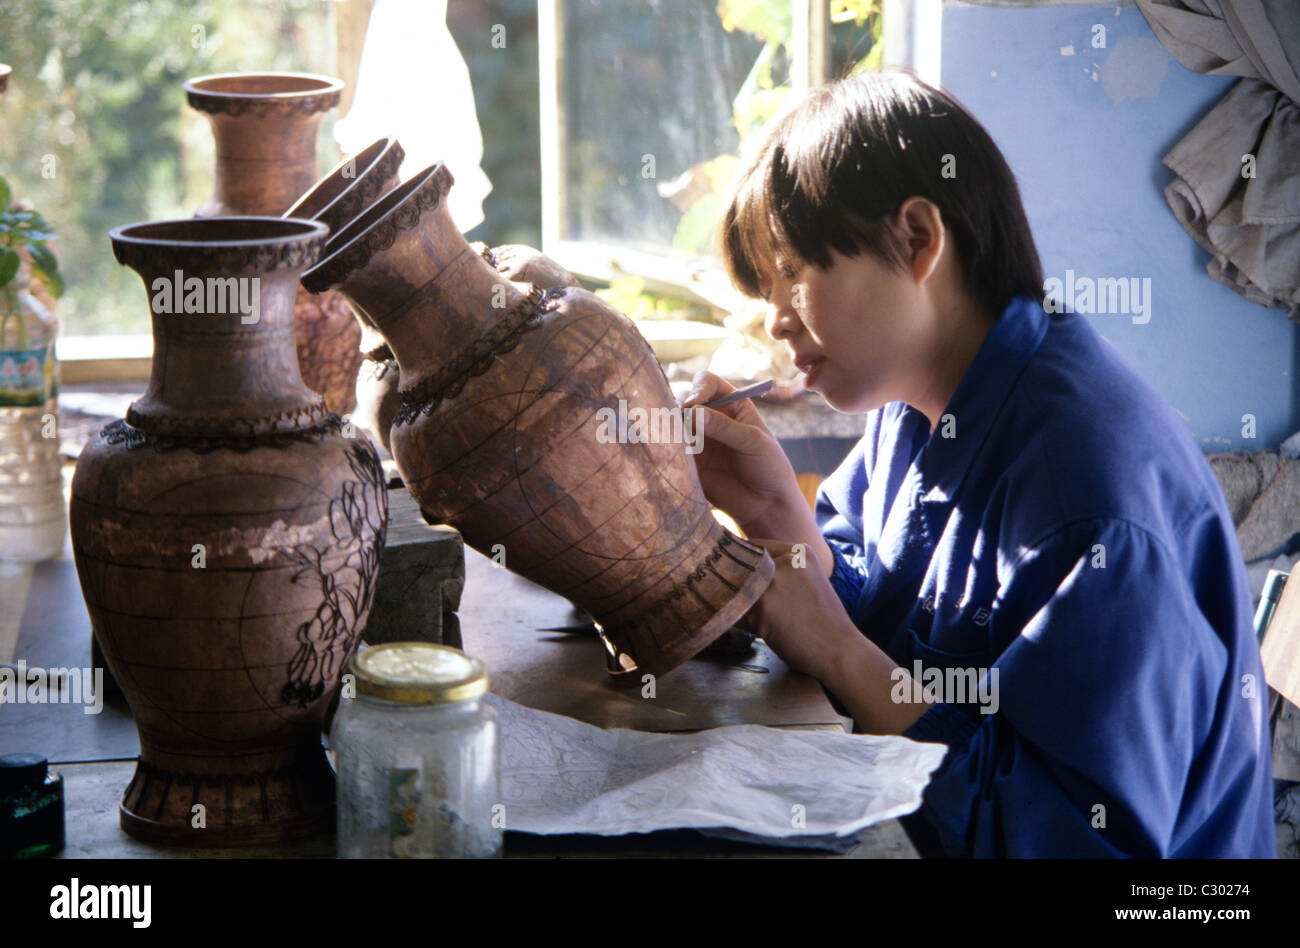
x,y
263,163
224,362
265,128
431,295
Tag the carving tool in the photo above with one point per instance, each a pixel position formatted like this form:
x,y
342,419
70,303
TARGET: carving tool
x,y
749,391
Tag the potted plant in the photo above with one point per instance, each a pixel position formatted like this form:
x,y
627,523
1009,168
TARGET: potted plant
x,y
24,234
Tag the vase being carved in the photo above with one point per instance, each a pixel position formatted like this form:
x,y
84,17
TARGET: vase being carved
x,y
499,433
265,127
227,538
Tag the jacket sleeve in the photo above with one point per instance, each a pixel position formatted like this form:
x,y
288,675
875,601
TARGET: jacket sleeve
x,y
1115,689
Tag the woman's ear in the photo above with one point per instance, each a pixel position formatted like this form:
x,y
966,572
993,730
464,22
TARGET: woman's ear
x,y
920,229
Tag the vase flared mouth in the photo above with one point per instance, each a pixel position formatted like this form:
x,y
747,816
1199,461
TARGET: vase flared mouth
x,y
230,243
237,93
338,197
353,246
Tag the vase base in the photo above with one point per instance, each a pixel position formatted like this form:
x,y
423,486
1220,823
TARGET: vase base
x,y
198,810
626,671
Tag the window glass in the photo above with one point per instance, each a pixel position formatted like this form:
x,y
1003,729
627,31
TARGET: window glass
x,y
654,99
95,131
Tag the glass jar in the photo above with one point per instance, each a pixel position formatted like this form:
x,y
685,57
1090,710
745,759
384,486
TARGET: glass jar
x,y
31,807
418,757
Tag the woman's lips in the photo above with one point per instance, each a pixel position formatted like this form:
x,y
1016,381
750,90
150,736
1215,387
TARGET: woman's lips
x,y
810,368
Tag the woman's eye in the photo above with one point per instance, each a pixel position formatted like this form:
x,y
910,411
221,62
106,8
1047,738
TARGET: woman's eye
x,y
788,273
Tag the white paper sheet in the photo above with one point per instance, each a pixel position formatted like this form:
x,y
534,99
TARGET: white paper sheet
x,y
560,775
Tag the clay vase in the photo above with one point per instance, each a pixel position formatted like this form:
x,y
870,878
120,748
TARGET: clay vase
x,y
265,127
379,378
499,434
227,538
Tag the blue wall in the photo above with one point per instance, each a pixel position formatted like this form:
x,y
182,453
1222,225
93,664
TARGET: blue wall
x,y
1087,152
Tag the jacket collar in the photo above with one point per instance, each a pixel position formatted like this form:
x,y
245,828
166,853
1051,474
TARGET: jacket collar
x,y
939,470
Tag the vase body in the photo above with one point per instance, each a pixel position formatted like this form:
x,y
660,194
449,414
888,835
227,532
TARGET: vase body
x,y
227,537
265,127
499,434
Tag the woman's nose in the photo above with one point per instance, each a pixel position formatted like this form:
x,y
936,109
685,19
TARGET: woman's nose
x,y
782,321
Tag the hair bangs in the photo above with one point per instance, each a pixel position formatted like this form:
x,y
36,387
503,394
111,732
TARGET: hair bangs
x,y
831,173
752,232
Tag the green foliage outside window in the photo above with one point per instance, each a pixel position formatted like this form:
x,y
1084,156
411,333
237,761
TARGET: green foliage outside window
x,y
95,130
767,90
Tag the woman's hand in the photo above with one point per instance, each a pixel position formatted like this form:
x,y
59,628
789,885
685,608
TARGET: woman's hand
x,y
741,465
744,471
800,616
802,620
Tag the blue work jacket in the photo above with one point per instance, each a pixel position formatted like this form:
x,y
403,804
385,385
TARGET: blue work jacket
x,y
1062,529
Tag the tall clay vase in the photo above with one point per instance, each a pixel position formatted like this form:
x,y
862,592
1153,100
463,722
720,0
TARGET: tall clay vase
x,y
227,537
265,126
500,434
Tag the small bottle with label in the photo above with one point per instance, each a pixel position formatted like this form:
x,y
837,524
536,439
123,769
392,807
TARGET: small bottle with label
x,y
418,757
31,807
33,515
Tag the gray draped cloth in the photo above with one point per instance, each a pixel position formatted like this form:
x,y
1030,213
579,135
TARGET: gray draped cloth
x,y
1250,225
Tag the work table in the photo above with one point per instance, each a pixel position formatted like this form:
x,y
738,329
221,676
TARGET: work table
x,y
501,620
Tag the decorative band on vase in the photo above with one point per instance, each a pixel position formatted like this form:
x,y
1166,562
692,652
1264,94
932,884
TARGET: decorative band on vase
x,y
629,644
225,245
193,430
365,186
729,546
501,337
122,432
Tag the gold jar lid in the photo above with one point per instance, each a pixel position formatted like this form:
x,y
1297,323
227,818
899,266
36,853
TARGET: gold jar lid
x,y
418,673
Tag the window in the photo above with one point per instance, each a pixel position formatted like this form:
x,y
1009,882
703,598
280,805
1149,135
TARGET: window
x,y
97,132
644,110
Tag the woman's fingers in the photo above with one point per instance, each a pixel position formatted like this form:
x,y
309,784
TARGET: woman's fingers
x,y
740,437
706,386
709,386
776,548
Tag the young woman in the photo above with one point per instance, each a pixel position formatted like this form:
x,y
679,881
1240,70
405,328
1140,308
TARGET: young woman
x,y
1026,557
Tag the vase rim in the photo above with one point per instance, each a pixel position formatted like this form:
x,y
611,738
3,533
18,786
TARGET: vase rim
x,y
264,94
309,83
260,244
383,156
225,231
353,246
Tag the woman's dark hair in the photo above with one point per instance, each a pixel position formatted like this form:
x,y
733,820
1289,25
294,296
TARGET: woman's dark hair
x,y
831,172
